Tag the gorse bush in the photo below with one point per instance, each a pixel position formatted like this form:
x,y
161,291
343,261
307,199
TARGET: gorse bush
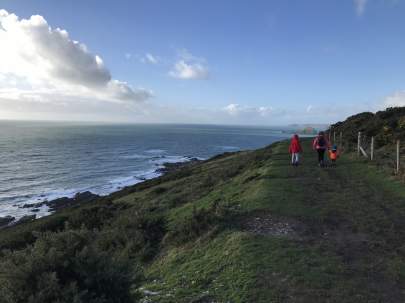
x,y
92,258
386,126
66,267
92,217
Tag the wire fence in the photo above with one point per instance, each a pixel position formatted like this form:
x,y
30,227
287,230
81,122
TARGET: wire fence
x,y
390,156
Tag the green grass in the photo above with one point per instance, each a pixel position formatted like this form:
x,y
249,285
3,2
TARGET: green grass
x,y
348,244
350,249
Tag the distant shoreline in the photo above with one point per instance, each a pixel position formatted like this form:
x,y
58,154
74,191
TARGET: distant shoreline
x,y
46,167
83,197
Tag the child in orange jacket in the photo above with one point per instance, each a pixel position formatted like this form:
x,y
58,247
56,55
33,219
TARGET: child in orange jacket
x,y
333,155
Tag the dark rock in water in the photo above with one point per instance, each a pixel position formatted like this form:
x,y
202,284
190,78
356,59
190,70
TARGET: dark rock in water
x,y
63,202
35,205
169,167
4,221
78,199
59,203
85,196
26,218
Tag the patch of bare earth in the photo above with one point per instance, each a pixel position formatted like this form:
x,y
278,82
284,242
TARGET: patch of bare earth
x,y
266,224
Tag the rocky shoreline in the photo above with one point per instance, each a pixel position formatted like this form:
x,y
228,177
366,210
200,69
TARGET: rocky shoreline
x,y
80,198
170,167
53,205
57,204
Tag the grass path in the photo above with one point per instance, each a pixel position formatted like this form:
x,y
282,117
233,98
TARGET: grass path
x,y
351,247
302,234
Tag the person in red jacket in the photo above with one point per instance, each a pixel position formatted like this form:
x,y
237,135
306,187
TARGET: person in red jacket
x,y
295,149
320,144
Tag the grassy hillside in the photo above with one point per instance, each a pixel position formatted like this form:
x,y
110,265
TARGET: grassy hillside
x,y
386,126
241,227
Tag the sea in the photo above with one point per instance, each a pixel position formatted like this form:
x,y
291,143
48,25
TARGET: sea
x,y
42,161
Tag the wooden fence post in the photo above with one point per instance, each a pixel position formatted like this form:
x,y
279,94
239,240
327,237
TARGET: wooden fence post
x,y
398,156
372,149
358,144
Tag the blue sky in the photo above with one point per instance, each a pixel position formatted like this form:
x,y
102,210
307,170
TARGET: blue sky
x,y
243,62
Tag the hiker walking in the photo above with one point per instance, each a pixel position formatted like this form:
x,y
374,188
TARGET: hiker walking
x,y
334,154
295,149
320,144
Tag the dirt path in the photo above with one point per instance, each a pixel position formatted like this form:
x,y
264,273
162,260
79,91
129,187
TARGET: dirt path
x,y
352,218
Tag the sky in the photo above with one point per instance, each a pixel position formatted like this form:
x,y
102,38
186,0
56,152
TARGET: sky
x,y
216,62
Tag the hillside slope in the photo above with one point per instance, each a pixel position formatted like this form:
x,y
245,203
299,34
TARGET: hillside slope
x,y
386,126
241,227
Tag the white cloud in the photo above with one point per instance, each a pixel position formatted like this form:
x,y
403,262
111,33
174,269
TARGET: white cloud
x,y
237,110
184,54
360,6
232,109
151,59
264,110
243,114
40,61
396,99
128,56
188,71
189,67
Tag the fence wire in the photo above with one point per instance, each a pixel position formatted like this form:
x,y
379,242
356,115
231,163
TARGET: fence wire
x,y
385,156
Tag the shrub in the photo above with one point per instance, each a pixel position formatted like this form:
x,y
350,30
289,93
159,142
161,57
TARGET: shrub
x,y
92,217
65,267
401,123
159,190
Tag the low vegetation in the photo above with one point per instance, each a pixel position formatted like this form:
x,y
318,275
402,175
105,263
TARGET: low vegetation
x,y
241,227
386,126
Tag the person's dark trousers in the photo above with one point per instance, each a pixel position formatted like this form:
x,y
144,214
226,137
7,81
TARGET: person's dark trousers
x,y
321,155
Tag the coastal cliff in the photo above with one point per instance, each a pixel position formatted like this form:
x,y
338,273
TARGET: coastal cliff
x,y
240,227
